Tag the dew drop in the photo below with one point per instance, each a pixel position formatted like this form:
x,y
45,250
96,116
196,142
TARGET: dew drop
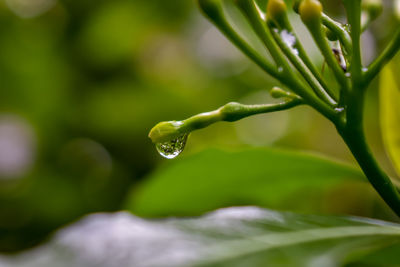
x,y
172,148
339,110
290,40
347,27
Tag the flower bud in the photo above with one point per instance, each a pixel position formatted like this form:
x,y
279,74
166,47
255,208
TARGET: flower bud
x,y
310,11
277,92
165,131
276,10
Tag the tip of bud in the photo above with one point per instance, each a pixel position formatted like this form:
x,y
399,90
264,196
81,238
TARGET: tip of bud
x,y
165,131
277,92
276,9
310,10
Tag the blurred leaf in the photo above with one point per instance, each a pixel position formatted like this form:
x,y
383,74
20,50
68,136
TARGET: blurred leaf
x,y
390,114
239,236
268,178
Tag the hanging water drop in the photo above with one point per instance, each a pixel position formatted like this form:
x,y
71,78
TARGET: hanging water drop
x,y
171,149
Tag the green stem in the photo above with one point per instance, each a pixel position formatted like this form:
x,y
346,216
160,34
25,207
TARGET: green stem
x,y
214,12
285,24
288,77
323,45
384,58
353,9
168,130
356,141
249,9
353,134
341,33
304,71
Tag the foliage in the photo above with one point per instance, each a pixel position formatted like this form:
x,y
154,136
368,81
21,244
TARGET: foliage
x,y
241,236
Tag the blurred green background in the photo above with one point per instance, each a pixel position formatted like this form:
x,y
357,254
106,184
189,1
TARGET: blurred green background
x,y
82,82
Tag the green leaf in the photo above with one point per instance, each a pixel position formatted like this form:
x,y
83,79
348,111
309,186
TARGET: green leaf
x,y
390,114
262,177
237,236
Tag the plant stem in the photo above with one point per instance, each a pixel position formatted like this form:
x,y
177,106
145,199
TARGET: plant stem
x,y
353,8
304,71
384,58
356,141
323,45
216,15
249,10
284,23
353,135
340,32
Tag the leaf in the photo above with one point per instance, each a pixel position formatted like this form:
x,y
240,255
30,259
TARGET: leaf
x,y
262,177
238,236
390,114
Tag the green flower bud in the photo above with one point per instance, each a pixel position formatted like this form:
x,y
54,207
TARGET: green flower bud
x,y
310,11
277,92
373,8
276,10
165,131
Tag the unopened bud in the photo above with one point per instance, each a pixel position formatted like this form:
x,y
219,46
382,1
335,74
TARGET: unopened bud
x,y
276,10
165,131
277,92
310,11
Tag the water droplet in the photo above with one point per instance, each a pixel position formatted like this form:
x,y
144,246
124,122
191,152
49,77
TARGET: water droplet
x,y
172,148
339,109
364,69
347,74
280,69
347,27
289,39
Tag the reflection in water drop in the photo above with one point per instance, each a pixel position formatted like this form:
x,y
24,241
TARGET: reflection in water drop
x,y
173,148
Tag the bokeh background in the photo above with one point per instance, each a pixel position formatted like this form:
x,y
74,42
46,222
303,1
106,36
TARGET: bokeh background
x,y
82,83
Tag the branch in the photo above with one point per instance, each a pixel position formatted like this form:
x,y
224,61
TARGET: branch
x,y
339,31
353,9
302,68
169,130
249,9
311,15
212,9
383,59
